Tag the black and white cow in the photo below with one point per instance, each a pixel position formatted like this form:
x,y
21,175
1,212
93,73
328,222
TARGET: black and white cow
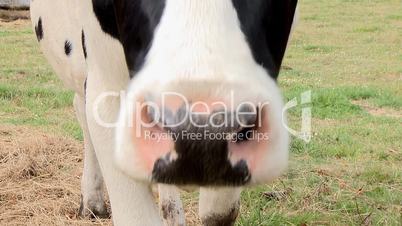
x,y
212,52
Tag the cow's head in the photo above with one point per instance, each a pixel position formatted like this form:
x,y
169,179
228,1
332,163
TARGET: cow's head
x,y
203,106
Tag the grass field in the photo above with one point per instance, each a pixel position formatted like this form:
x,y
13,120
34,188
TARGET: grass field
x,y
347,52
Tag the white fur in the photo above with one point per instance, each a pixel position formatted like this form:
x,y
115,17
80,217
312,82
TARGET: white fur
x,y
169,199
71,70
218,201
92,188
132,202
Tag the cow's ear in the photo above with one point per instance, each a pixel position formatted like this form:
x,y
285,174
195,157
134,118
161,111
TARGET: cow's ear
x,y
278,23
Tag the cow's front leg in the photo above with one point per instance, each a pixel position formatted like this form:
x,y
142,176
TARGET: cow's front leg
x,y
92,195
219,206
170,205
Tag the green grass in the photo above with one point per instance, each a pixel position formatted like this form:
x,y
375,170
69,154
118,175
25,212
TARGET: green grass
x,y
30,93
343,51
351,172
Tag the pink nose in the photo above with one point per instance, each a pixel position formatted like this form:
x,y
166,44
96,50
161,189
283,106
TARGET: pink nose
x,y
202,143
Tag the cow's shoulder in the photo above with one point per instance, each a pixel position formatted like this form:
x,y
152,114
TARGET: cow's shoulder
x,y
59,32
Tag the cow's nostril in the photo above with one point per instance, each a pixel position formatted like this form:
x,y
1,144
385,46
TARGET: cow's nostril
x,y
245,135
154,118
247,116
248,123
161,116
153,115
167,117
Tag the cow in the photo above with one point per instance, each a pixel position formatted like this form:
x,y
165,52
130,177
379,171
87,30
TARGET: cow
x,y
141,67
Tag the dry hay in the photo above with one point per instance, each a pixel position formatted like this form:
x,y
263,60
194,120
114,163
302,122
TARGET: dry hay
x,y
39,178
12,15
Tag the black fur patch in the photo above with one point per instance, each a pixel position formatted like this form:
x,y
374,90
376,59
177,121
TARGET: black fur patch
x,y
136,20
84,46
85,86
68,47
200,161
105,14
266,25
39,30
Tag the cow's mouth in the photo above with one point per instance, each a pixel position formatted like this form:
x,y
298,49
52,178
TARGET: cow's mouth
x,y
186,170
201,155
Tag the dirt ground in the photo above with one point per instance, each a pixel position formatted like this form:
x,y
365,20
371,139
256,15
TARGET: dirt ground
x,y
376,111
40,178
39,173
